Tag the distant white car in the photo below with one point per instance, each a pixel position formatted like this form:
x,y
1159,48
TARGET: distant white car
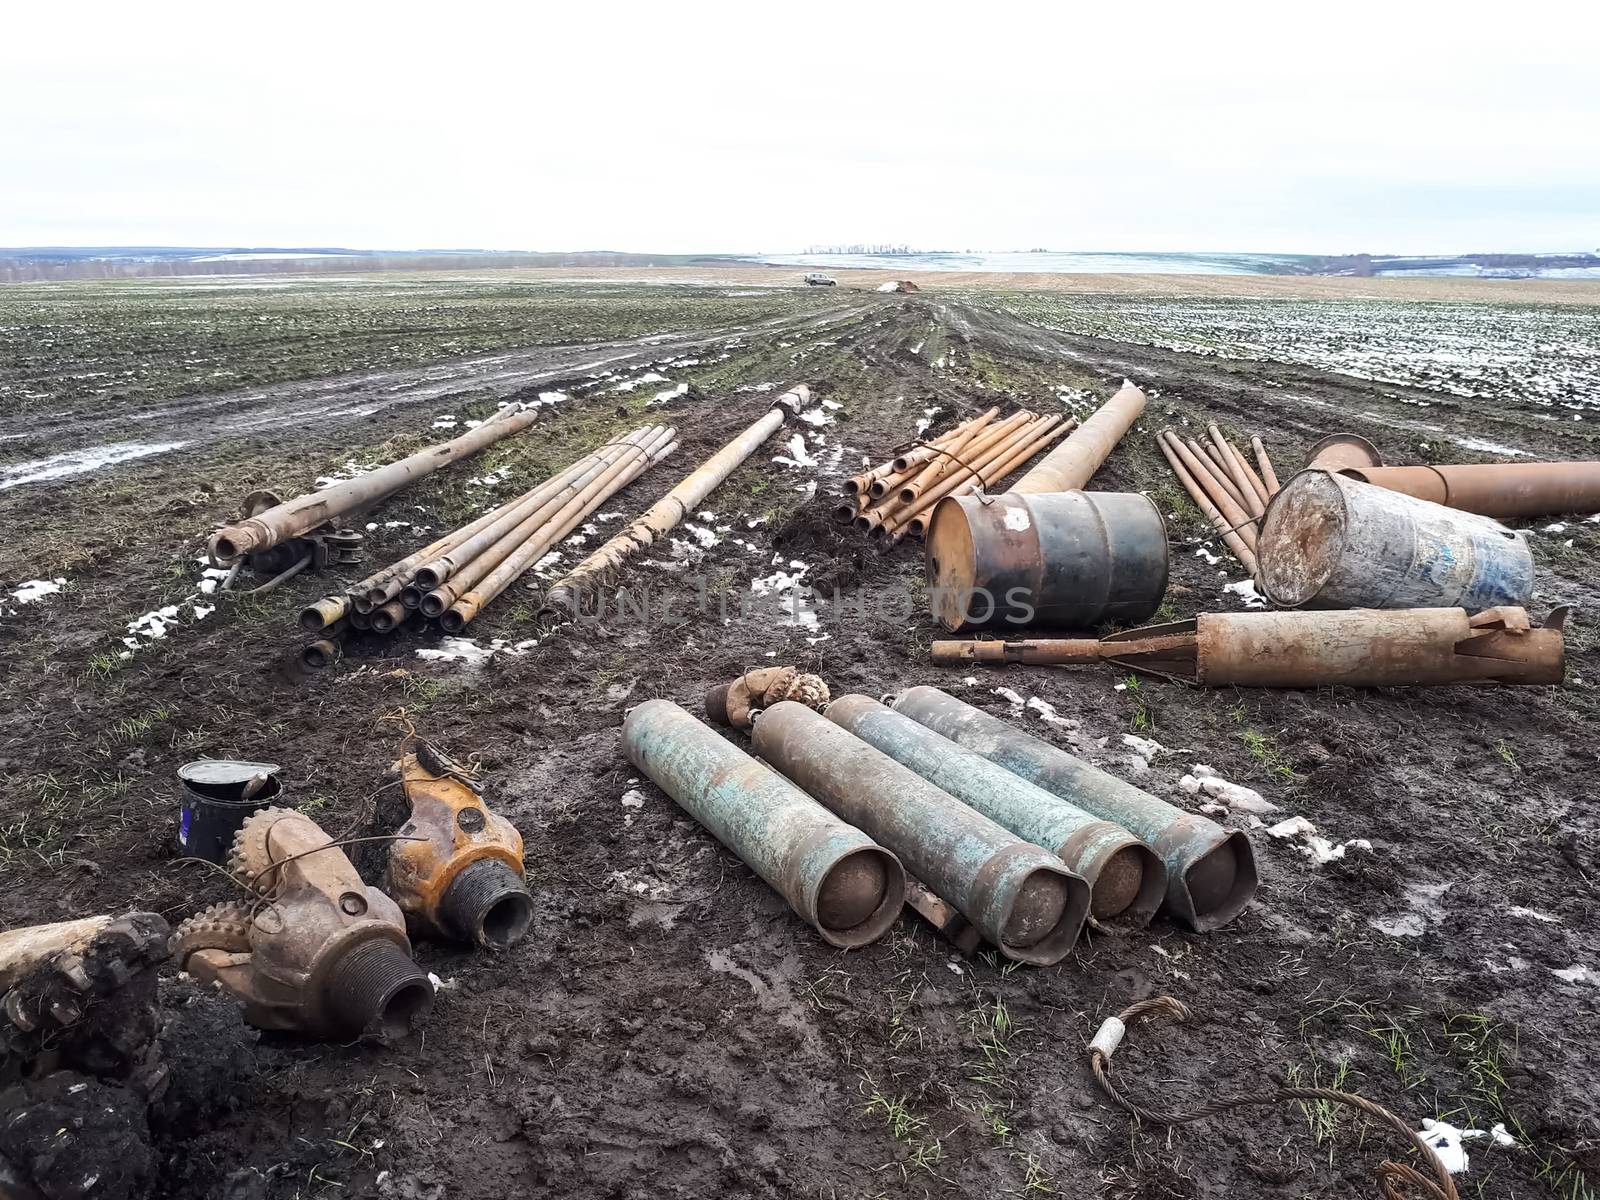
x,y
818,279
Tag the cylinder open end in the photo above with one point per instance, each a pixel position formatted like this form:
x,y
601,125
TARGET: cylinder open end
x,y
860,897
1221,881
487,903
377,991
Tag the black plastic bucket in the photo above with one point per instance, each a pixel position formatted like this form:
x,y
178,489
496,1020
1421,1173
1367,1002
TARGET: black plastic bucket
x,y
215,803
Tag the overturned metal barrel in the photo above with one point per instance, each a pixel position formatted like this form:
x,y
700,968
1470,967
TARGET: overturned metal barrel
x,y
1210,871
1496,489
1330,541
1338,451
1016,893
1068,559
846,887
1126,880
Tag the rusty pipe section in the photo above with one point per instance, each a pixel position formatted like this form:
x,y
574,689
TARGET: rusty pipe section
x,y
844,885
1018,895
1340,451
1331,541
1362,647
1210,871
1126,880
1496,489
456,870
1072,464
319,951
295,517
1071,559
563,596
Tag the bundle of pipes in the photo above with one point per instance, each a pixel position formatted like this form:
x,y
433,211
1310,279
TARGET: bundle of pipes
x,y
452,578
898,497
259,531
1228,489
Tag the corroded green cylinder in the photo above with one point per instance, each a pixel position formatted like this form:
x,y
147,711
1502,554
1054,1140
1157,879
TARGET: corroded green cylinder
x,y
1211,871
1126,880
1018,895
848,888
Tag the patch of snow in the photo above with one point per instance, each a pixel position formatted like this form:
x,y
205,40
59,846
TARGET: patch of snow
x,y
1047,713
468,650
1245,589
1203,780
1315,847
633,798
1533,914
647,377
669,395
37,589
81,462
1211,559
1577,973
798,455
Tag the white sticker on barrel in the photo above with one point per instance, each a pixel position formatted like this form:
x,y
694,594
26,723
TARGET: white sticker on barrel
x,y
1017,519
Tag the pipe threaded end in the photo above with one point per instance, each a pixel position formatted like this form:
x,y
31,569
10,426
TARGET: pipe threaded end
x,y
487,903
377,990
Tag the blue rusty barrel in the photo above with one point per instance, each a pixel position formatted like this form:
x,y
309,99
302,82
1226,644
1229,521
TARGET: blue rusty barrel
x,y
1018,895
1073,560
846,887
1126,880
1330,541
1210,871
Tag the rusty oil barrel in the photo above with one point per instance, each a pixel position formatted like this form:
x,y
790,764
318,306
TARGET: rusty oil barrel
x,y
845,886
1210,871
1068,559
1018,895
1330,541
1126,879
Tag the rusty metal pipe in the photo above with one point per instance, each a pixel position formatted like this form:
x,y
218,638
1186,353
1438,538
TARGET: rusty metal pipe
x,y
1215,477
466,575
1230,464
383,586
987,467
925,453
1049,429
386,617
1073,463
963,449
988,446
295,517
1221,497
563,596
1019,895
1338,451
844,885
440,567
319,655
1125,878
1331,541
1210,871
1496,489
1258,489
324,612
1229,535
571,515
1268,475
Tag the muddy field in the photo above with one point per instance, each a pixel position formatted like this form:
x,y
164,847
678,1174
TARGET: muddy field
x,y
671,1029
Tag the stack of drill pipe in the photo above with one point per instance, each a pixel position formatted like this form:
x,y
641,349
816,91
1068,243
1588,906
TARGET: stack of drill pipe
x,y
1231,493
453,577
974,455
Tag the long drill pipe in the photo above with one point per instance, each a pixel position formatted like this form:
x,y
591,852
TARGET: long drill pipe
x,y
993,446
915,519
921,459
1198,494
917,454
439,567
559,526
1070,465
977,443
1212,474
295,517
1496,489
383,586
1221,497
1045,431
995,435
665,514
950,461
1232,468
1258,489
1268,475
467,574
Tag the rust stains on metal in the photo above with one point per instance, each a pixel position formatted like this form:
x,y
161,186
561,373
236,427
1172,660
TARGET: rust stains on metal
x,y
457,868
1496,489
1331,541
736,703
1338,451
1072,464
318,951
1355,647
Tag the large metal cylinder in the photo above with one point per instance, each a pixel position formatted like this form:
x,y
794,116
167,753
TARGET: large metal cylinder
x,y
1330,541
1071,465
1069,559
1210,871
1496,489
1366,647
846,887
1017,894
1338,451
1126,880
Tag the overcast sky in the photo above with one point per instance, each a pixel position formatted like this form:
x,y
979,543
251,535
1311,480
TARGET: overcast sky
x,y
697,127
